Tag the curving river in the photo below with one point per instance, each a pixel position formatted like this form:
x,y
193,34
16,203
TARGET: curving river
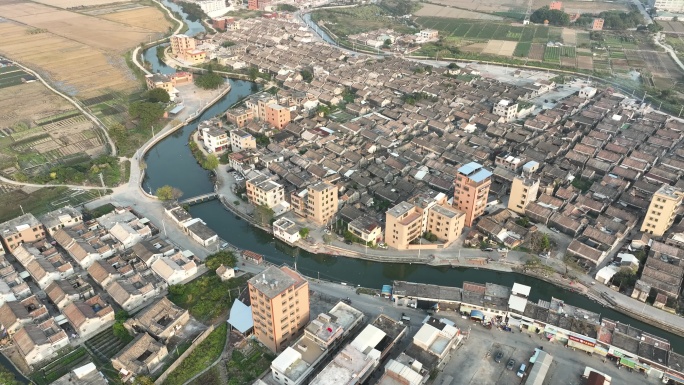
x,y
170,162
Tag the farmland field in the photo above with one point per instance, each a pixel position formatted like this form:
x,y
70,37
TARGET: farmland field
x,y
78,3
433,10
580,7
536,52
486,5
522,49
42,130
552,55
350,21
145,17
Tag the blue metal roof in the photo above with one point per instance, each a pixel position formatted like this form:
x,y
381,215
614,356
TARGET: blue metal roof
x,y
467,169
177,109
241,316
480,175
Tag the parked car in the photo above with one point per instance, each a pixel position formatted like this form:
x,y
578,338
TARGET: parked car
x,y
498,357
511,364
521,371
502,250
487,249
349,242
382,245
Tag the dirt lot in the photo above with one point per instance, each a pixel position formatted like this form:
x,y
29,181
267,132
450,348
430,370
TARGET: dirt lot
x,y
454,13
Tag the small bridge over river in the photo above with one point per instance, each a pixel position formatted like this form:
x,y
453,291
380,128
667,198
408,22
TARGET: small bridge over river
x,y
199,199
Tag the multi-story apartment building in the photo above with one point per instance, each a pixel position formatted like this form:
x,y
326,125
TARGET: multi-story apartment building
x,y
23,229
662,210
258,4
280,306
258,102
241,140
429,212
240,116
277,116
675,6
181,44
403,224
212,5
471,190
507,109
445,222
321,202
214,139
523,192
261,190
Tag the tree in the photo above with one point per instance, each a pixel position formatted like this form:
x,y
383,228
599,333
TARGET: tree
x,y
210,162
121,315
322,109
307,76
624,278
553,16
167,193
227,43
540,242
147,113
253,73
263,215
303,232
7,377
209,81
225,258
157,95
194,11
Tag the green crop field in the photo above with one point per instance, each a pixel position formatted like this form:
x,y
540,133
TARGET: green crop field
x,y
552,54
484,30
522,49
568,51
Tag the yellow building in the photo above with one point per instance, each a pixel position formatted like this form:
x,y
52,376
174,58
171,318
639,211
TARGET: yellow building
x,y
662,210
407,221
471,190
262,191
23,229
321,202
160,81
240,116
523,192
445,222
280,306
367,229
181,44
403,224
241,140
194,56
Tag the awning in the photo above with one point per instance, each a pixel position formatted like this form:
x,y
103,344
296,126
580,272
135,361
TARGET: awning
x,y
476,314
627,362
386,289
600,350
465,309
675,377
580,346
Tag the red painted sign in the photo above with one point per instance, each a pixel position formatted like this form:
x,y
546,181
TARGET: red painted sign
x,y
581,341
